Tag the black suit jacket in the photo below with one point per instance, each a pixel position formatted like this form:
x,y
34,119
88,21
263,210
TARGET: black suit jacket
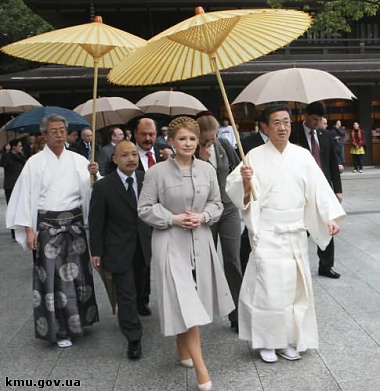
x,y
251,141
329,159
114,225
80,147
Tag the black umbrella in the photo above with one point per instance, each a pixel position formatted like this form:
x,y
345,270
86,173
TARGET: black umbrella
x,y
29,122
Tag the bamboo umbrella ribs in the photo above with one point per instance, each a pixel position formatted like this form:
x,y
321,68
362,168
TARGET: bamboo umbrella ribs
x,y
207,43
94,45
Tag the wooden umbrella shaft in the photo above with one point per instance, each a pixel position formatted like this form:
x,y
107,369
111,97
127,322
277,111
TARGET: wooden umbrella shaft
x,y
231,118
93,118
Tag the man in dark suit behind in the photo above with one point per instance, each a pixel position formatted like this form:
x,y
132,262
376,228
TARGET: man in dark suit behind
x,y
253,140
327,159
84,144
119,240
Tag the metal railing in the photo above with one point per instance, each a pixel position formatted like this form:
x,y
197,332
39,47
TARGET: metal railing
x,y
333,46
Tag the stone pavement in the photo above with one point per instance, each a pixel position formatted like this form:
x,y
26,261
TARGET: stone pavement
x,y
348,317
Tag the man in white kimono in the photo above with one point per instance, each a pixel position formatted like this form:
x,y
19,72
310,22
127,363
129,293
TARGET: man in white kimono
x,y
276,305
48,209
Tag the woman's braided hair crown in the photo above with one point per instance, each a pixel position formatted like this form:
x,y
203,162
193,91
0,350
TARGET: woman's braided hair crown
x,y
183,122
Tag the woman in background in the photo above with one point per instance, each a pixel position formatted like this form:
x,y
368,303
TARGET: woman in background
x,y
219,153
357,147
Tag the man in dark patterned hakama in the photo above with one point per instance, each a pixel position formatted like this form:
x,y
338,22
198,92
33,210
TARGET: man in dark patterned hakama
x,y
48,209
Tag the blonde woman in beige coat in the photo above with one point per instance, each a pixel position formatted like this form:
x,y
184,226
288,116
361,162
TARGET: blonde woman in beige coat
x,y
180,199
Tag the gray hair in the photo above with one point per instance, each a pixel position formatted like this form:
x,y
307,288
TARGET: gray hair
x,y
52,118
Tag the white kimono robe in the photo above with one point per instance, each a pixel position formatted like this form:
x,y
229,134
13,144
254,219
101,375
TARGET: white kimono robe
x,y
276,304
51,183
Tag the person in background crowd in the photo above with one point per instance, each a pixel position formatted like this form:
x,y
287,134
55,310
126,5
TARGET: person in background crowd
x,y
323,124
226,131
39,144
276,305
338,134
190,283
163,138
128,134
13,161
28,145
71,139
84,145
320,143
104,156
48,209
357,147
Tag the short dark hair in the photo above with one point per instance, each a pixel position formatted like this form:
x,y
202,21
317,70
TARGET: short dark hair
x,y
316,108
14,142
266,113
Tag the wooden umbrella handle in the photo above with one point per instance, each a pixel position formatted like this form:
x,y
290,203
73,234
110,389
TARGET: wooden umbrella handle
x,y
232,120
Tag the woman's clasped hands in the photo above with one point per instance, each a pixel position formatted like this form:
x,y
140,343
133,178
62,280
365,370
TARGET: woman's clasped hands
x,y
189,220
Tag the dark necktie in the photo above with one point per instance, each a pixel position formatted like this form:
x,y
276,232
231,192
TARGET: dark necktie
x,y
315,150
131,193
89,151
151,161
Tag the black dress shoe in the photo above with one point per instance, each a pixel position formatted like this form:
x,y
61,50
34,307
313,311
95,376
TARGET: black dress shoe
x,y
144,310
235,325
328,273
134,350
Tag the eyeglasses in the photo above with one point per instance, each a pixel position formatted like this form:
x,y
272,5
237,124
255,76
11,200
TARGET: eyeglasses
x,y
56,132
286,122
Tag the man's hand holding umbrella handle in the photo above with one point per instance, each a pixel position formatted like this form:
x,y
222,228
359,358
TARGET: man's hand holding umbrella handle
x,y
333,227
31,238
96,262
247,174
93,169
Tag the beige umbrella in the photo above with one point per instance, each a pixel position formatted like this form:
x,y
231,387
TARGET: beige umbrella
x,y
207,43
171,103
294,85
95,45
109,111
16,101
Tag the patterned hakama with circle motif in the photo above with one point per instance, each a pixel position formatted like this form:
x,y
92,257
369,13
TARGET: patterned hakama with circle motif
x,y
63,286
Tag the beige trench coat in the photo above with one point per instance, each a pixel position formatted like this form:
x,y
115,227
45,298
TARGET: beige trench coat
x,y
184,301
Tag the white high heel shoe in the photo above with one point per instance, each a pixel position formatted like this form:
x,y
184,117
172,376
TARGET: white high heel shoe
x,y
205,386
187,363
